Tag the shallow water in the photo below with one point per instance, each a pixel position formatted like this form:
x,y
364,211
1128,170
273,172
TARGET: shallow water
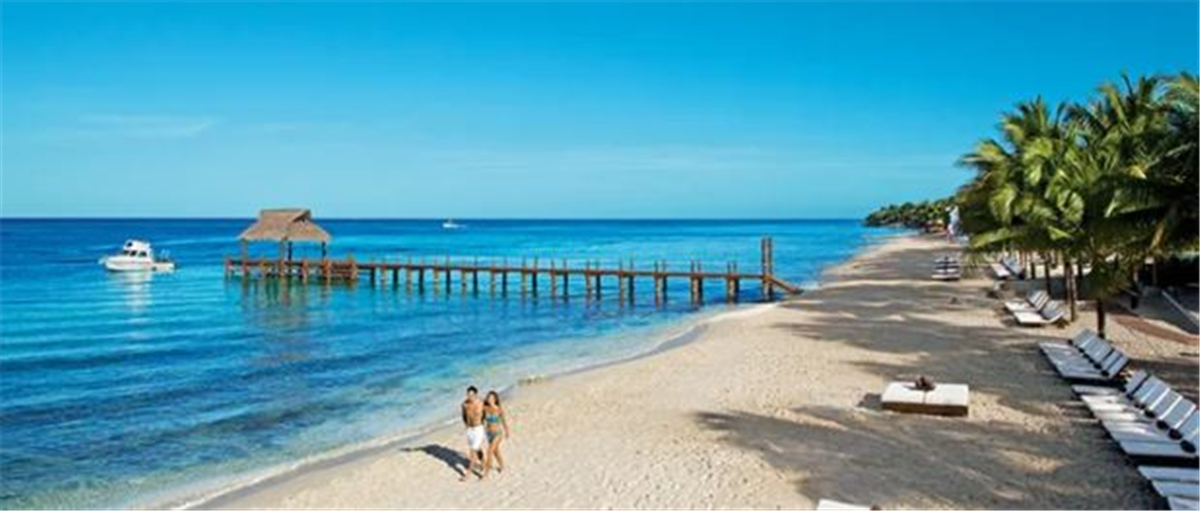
x,y
117,387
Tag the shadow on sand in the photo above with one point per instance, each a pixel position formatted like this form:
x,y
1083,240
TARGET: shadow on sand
x,y
452,458
867,456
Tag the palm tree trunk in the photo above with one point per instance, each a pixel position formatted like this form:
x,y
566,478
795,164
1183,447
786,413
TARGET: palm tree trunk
x,y
1046,268
1069,282
1101,318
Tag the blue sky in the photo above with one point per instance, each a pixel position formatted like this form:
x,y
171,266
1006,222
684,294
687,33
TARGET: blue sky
x,y
535,109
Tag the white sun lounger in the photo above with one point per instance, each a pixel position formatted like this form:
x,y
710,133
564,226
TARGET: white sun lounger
x,y
1014,267
1173,489
1176,489
1176,503
1173,482
1127,389
1185,475
1032,303
1189,490
1064,356
1183,451
1159,431
1108,372
1084,348
1083,337
1150,400
1049,315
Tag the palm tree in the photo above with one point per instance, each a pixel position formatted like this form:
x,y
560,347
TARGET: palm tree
x,y
1012,179
1120,174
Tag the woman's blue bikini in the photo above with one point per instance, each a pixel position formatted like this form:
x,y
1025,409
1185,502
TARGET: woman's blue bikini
x,y
492,420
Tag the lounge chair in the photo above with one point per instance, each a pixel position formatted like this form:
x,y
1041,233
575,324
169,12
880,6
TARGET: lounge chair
x,y
1138,390
1014,267
1084,337
1075,346
1173,482
1049,315
1169,428
1183,504
1185,475
1036,301
1107,372
1177,489
1127,389
1092,352
1177,452
1091,357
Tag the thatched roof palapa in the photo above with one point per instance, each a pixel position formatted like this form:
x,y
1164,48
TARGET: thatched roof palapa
x,y
285,225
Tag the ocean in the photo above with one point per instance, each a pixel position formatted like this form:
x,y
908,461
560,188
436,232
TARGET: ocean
x,y
117,389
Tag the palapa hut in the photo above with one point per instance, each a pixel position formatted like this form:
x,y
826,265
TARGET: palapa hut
x,y
285,226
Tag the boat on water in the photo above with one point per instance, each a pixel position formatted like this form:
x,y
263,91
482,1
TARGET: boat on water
x,y
451,224
138,256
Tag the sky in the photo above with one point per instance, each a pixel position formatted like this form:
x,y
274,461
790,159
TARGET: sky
x,y
538,109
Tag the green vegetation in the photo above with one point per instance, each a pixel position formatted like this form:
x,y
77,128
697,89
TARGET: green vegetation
x,y
920,215
1101,185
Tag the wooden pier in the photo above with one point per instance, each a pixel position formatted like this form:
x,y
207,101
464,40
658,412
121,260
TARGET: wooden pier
x,y
530,277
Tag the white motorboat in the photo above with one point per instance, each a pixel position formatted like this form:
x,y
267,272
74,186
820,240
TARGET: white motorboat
x,y
451,224
137,255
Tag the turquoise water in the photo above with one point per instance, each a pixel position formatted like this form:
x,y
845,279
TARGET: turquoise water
x,y
115,388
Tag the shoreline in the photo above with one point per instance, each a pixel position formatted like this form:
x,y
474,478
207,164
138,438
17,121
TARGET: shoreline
x,y
776,406
246,485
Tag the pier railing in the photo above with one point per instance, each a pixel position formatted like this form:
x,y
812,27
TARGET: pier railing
x,y
532,275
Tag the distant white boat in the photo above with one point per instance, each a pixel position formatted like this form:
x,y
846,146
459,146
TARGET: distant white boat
x,y
137,255
450,224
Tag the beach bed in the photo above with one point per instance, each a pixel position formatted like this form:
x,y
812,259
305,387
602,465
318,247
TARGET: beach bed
x,y
948,399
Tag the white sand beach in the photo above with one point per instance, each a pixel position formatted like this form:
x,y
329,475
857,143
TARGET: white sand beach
x,y
779,407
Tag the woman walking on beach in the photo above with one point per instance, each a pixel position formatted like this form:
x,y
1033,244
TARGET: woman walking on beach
x,y
496,424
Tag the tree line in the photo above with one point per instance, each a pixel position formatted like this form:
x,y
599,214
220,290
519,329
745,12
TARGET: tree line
x,y
1094,188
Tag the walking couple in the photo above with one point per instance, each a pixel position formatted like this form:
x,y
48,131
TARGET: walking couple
x,y
487,427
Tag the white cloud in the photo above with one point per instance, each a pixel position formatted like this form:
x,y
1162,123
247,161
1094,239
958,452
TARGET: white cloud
x,y
146,126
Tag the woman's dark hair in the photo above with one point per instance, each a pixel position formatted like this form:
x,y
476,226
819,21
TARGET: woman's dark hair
x,y
490,395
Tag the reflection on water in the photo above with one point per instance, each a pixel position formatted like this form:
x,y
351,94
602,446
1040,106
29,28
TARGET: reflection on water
x,y
134,288
281,312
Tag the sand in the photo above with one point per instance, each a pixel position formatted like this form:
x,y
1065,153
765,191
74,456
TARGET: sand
x,y
778,407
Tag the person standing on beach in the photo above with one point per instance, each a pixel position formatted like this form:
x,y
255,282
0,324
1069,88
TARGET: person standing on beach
x,y
472,416
496,424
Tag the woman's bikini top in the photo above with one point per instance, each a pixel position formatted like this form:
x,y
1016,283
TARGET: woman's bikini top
x,y
491,418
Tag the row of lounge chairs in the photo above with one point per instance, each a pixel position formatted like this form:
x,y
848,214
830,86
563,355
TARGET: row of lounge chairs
x,y
947,268
1036,309
1149,421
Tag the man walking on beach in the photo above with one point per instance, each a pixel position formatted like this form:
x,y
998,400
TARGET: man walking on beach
x,y
472,416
